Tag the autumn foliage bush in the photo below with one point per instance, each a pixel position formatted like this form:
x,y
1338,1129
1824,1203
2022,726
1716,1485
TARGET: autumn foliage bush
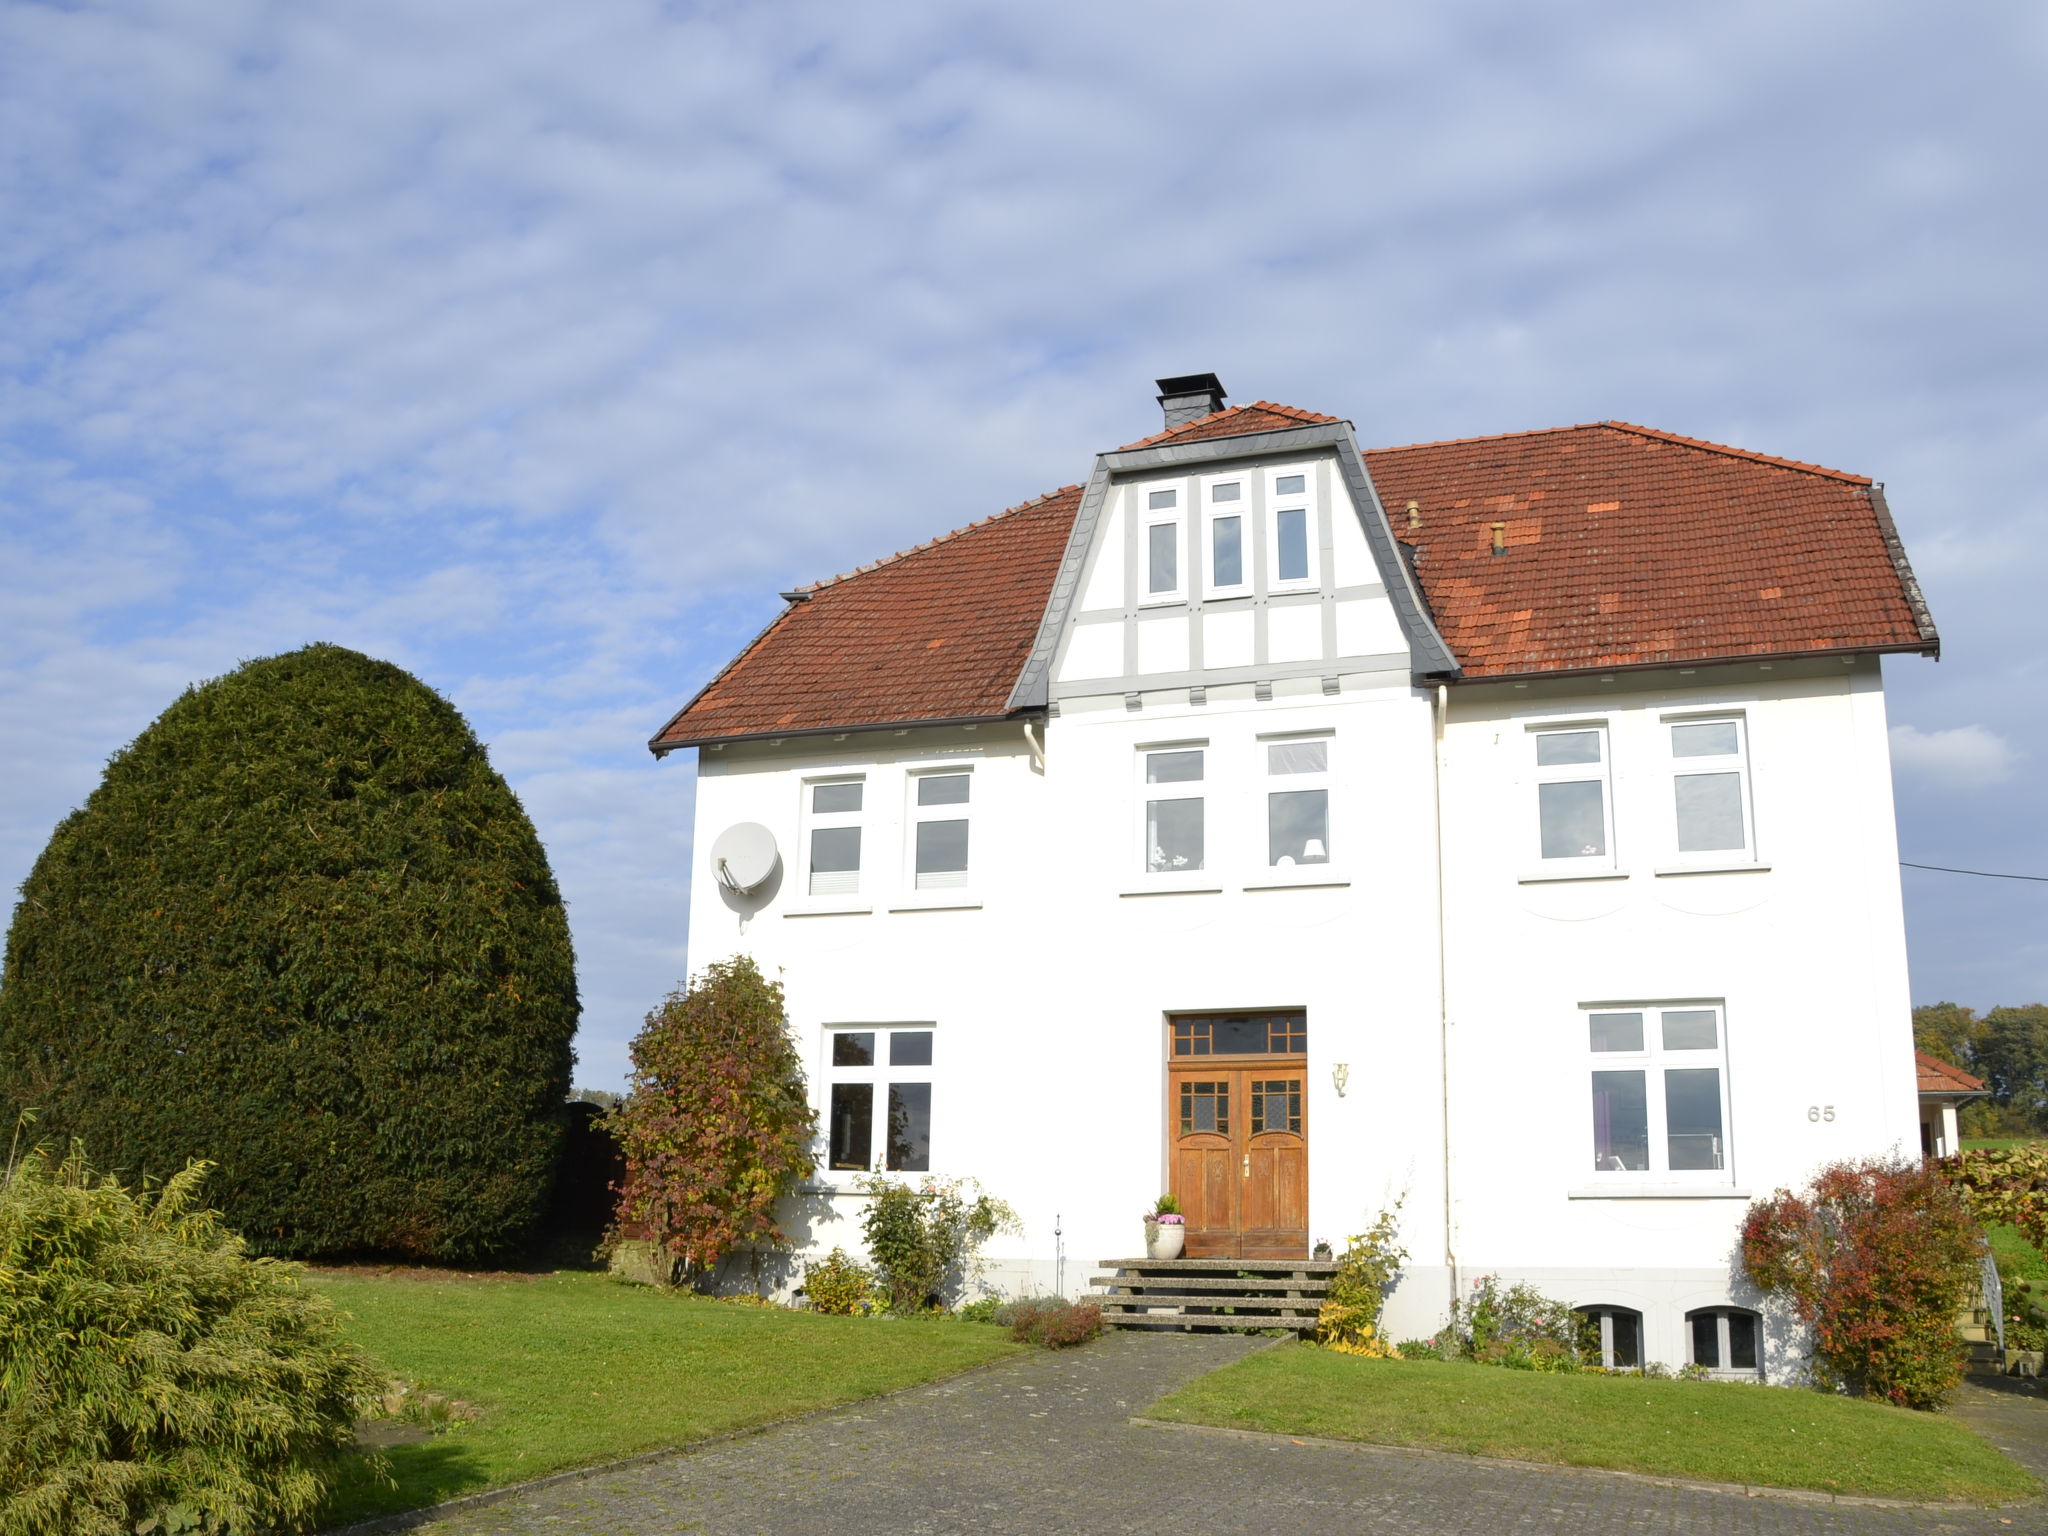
x,y
717,1126
1876,1257
2005,1184
1052,1321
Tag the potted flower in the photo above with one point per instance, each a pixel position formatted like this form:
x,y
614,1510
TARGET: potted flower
x,y
1166,1231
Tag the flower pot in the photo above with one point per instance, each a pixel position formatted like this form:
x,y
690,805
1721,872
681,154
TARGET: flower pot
x,y
1172,1238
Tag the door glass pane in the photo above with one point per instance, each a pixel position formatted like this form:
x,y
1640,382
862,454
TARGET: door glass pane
x,y
1706,1341
1298,827
835,799
1290,485
1173,767
1691,1029
1287,1034
1226,539
1709,738
1291,530
1191,1037
1173,835
1617,1031
1621,1122
910,1127
854,1049
852,1124
1709,812
1742,1341
1163,541
1276,1106
1554,748
1229,490
941,850
1205,1109
1239,1037
1574,819
910,1048
1298,757
943,788
1692,1117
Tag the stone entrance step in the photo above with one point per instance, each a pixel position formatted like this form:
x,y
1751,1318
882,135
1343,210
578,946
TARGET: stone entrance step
x,y
1213,1294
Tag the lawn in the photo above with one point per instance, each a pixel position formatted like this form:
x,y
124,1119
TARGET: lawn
x,y
571,1368
1715,1431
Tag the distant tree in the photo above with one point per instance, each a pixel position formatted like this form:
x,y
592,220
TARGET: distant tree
x,y
717,1124
302,930
2012,1058
1949,1031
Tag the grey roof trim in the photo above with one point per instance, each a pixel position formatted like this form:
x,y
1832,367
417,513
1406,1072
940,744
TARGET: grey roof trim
x,y
1031,690
1896,547
662,748
1481,679
1431,657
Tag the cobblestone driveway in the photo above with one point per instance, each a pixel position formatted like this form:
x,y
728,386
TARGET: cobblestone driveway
x,y
1045,1445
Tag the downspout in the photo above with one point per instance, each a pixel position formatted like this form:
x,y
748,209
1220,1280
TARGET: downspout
x,y
1035,746
1440,714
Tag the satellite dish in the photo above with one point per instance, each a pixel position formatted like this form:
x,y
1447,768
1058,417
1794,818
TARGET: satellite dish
x,y
743,856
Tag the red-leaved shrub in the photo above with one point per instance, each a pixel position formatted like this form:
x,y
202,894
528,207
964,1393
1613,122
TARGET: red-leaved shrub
x,y
1055,1323
1876,1257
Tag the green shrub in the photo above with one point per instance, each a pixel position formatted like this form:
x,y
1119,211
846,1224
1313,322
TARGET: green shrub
x,y
1349,1318
1876,1257
982,1310
303,930
1052,1321
925,1241
718,1124
154,1377
1515,1326
838,1285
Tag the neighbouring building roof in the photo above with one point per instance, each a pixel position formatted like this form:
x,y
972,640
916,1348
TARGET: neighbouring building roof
x,y
1623,546
1938,1077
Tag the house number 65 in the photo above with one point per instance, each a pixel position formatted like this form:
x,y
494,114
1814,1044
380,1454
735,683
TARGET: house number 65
x,y
1820,1111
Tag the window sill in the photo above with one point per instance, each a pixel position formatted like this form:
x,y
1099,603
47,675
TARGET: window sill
x,y
829,909
1548,876
1657,1192
938,901
1304,879
1173,890
1734,868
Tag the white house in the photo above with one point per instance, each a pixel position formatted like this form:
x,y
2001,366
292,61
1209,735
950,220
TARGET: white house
x,y
1501,825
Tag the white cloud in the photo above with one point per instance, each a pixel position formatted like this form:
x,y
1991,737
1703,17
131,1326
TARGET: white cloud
x,y
1962,757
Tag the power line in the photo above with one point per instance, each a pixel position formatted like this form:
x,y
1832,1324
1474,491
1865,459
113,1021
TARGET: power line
x,y
1982,873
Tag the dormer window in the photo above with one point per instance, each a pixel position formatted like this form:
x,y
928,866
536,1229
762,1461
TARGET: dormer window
x,y
1291,528
1161,552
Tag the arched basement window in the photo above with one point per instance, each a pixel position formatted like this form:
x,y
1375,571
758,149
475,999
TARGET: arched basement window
x,y
1619,1332
1726,1340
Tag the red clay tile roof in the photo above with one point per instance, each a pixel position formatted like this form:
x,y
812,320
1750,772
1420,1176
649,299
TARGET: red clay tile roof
x,y
1937,1076
1235,421
1627,546
1624,546
938,632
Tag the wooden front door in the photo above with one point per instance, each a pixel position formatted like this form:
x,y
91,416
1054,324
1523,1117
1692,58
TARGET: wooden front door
x,y
1239,1161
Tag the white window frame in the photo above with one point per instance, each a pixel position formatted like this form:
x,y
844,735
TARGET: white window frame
x,y
1653,1061
880,1076
1280,783
1150,518
1736,762
1724,1371
916,815
1192,789
1571,773
1310,504
1247,533
810,820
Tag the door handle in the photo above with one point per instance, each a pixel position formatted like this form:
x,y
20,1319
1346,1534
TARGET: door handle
x,y
1247,1166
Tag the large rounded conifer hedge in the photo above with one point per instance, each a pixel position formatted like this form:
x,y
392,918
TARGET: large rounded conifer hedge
x,y
303,930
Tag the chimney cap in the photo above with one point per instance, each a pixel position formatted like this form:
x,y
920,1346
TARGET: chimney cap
x,y
1189,397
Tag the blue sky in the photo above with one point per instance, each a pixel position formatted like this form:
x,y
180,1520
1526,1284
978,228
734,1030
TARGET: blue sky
x,y
535,347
